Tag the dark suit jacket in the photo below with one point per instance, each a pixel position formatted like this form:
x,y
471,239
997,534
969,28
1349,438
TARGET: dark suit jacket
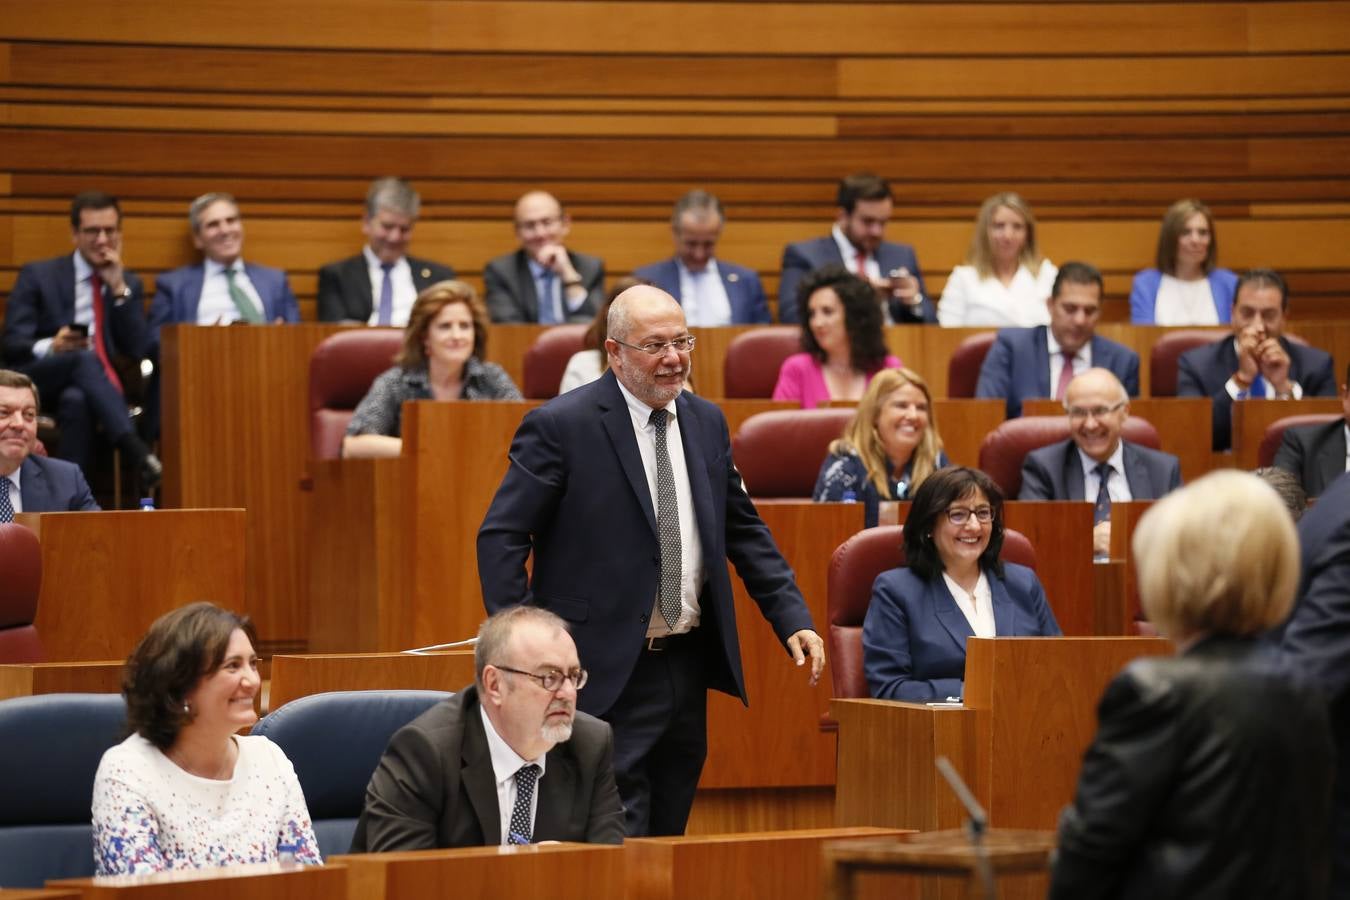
x,y
914,634
52,485
344,287
804,257
1314,453
43,300
1056,473
744,291
576,494
510,288
1204,371
1317,641
435,786
178,292
1208,779
1017,366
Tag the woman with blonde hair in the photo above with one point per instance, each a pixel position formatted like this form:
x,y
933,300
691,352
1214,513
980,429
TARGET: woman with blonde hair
x,y
1186,288
1005,281
888,449
442,359
1211,771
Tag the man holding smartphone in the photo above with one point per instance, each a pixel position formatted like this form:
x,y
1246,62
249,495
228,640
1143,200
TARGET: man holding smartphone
x,y
67,319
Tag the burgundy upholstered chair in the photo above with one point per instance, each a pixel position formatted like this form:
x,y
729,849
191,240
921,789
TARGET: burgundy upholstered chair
x,y
21,563
779,453
963,369
1004,448
856,563
750,369
341,370
547,358
1162,362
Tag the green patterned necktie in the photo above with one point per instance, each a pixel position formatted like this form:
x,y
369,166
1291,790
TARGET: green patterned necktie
x,y
247,311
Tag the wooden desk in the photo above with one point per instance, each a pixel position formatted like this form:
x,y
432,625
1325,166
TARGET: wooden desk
x,y
258,881
28,679
37,894
734,866
1251,418
556,871
300,676
106,576
1183,424
1029,713
1013,855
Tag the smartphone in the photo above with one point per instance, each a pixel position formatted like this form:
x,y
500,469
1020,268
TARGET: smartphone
x,y
80,329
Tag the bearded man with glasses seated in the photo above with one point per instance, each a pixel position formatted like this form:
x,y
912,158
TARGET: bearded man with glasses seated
x,y
507,760
1096,463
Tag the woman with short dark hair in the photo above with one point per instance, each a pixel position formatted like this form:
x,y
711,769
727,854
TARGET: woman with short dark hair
x,y
185,790
952,587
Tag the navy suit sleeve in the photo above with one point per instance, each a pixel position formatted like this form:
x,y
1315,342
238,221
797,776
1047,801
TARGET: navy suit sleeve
x,y
290,308
759,303
82,500
926,311
887,660
21,317
1037,482
795,267
161,309
1131,377
524,504
1190,383
1046,624
1292,454
1317,638
502,303
1320,380
996,375
130,334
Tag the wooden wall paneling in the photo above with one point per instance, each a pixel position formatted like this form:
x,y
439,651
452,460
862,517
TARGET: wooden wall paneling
x,y
963,425
29,679
729,810
1061,533
319,673
564,871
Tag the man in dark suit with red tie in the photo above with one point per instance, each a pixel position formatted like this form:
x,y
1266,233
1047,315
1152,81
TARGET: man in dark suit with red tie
x,y
68,318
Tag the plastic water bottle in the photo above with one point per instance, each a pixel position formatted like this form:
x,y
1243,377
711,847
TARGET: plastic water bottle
x,y
849,496
147,504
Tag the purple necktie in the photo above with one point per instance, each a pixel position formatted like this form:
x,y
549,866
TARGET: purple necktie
x,y
386,296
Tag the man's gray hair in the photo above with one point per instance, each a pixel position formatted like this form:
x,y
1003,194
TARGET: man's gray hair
x,y
697,201
495,633
202,202
393,194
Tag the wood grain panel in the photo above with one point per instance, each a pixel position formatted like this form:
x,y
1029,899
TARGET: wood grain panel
x,y
259,881
525,872
301,676
728,810
1061,533
29,679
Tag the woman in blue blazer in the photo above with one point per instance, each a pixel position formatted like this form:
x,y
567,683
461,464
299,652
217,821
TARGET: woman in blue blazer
x,y
914,635
1186,288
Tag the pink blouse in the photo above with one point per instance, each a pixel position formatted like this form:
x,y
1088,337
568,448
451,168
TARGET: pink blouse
x,y
802,378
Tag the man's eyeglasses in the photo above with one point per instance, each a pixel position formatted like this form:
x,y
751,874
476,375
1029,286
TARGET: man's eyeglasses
x,y
1079,413
657,348
552,679
960,515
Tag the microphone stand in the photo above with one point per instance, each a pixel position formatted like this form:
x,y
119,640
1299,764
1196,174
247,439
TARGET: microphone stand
x,y
977,823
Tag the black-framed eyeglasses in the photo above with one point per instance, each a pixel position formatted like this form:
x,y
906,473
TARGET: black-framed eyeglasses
x,y
960,515
552,679
657,348
1079,413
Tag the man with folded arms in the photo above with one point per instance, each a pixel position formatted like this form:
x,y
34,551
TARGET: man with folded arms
x,y
507,760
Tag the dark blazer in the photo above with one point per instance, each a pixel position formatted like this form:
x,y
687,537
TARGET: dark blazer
x,y
1204,371
178,292
804,257
52,485
1317,641
510,288
744,291
435,786
1017,366
1208,779
914,634
1056,473
43,300
576,494
1314,453
344,287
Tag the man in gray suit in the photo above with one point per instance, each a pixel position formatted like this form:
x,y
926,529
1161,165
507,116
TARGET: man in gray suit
x,y
1316,454
1096,462
508,760
543,281
30,483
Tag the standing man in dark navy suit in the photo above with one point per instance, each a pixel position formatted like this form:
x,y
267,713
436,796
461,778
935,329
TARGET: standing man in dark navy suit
x,y
378,285
712,291
625,491
857,243
1041,361
68,318
30,483
1258,362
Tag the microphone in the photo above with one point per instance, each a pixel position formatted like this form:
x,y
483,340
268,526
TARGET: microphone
x,y
977,824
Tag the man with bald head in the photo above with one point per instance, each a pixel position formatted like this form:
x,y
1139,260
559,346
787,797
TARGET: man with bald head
x,y
625,492
543,281
1096,462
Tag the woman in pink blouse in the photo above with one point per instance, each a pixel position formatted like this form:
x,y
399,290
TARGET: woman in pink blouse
x,y
842,341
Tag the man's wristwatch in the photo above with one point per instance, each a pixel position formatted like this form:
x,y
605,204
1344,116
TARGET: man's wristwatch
x,y
123,294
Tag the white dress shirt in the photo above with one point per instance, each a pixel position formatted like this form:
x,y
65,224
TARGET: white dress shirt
x,y
505,763
84,304
216,306
969,299
1117,485
704,296
691,551
400,278
977,607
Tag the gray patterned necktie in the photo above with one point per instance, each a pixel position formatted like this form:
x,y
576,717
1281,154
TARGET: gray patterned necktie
x,y
6,507
667,523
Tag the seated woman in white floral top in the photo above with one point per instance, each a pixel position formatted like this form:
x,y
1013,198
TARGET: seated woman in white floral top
x,y
185,790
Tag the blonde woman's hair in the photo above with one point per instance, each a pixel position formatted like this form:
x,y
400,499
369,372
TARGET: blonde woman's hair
x,y
1219,556
981,253
861,438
